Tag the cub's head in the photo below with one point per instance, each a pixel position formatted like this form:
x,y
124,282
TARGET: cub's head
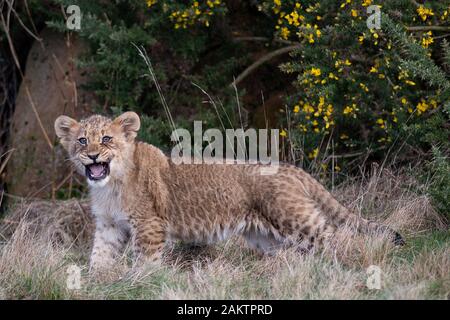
x,y
99,147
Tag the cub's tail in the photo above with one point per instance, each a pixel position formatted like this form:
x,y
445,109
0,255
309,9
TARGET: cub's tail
x,y
339,215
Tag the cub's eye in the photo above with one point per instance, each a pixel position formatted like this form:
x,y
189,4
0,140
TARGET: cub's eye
x,y
106,139
82,141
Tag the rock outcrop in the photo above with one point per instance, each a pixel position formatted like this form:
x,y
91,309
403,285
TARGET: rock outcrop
x,y
51,87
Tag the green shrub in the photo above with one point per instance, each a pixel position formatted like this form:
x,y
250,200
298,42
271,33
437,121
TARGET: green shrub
x,y
439,172
364,89
119,77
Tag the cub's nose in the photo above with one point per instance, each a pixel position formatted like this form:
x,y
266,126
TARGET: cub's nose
x,y
93,157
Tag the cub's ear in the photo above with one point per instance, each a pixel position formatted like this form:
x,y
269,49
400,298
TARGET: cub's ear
x,y
65,128
130,124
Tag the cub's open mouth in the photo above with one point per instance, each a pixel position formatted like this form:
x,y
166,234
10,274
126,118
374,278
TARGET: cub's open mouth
x,y
97,171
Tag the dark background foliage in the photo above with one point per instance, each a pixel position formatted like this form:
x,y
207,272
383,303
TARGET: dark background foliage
x,y
388,89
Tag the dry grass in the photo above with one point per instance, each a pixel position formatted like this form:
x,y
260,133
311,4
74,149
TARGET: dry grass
x,y
64,223
43,238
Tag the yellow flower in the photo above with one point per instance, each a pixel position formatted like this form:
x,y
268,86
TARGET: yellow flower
x,y
284,33
332,76
313,154
296,109
329,111
424,12
302,127
350,110
347,110
366,3
373,70
404,101
403,74
345,3
427,40
409,82
308,108
294,18
321,101
422,107
364,87
380,122
283,133
445,15
151,2
316,72
354,13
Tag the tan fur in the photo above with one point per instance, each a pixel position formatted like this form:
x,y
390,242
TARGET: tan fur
x,y
153,201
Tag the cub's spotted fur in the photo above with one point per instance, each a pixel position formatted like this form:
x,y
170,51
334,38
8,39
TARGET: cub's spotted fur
x,y
138,193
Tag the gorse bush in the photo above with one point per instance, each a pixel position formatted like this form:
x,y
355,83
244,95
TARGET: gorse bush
x,y
364,88
184,14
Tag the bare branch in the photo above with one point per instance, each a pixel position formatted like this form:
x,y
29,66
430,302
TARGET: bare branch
x,y
428,28
261,61
264,39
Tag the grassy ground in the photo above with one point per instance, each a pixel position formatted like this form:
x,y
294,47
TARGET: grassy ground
x,y
42,239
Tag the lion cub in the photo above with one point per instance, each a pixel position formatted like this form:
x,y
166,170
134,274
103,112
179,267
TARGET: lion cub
x,y
138,193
